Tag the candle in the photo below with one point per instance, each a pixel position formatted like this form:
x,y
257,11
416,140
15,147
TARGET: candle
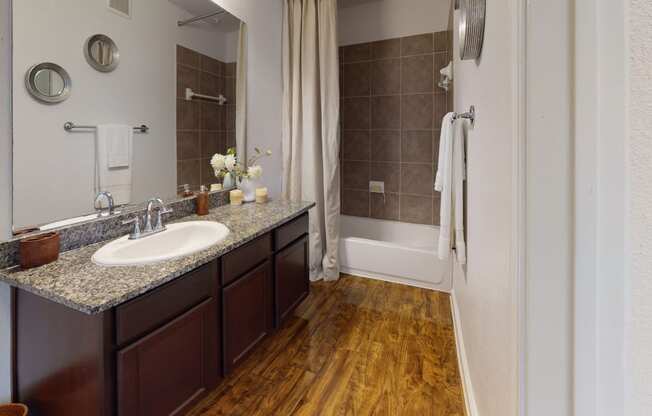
x,y
235,196
261,195
216,187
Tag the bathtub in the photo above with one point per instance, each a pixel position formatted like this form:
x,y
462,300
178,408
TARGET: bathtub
x,y
393,251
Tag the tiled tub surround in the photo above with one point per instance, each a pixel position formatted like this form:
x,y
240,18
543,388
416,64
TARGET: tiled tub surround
x,y
391,115
75,281
203,127
107,228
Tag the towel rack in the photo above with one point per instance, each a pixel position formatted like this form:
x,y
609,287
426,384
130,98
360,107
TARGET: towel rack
x,y
190,94
70,126
470,115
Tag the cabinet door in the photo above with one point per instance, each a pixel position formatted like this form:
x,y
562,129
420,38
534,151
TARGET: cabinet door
x,y
163,373
291,278
247,314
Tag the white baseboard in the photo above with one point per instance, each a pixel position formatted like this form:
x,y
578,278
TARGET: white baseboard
x,y
393,279
467,386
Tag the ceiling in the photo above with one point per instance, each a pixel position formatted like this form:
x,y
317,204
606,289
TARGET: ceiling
x,y
222,23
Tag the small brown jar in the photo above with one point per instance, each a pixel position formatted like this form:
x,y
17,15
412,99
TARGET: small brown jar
x,y
202,201
39,250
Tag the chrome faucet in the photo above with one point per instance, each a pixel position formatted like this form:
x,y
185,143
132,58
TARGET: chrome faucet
x,y
150,228
109,200
162,209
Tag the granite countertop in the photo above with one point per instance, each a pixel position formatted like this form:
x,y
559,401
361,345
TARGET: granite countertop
x,y
75,281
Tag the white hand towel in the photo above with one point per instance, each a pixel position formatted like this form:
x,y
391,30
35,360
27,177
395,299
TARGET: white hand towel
x,y
459,176
114,160
444,141
444,184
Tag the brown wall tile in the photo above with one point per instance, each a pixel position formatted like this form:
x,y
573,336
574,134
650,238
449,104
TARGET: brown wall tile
x,y
416,45
416,146
388,48
355,113
187,77
417,112
211,116
188,145
416,209
229,90
190,172
212,142
386,77
386,112
187,56
390,173
417,74
386,145
187,115
355,203
355,175
442,41
355,145
396,125
385,207
355,53
211,65
210,84
417,179
229,117
356,79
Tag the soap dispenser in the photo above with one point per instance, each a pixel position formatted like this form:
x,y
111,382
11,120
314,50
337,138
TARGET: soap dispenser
x,y
202,201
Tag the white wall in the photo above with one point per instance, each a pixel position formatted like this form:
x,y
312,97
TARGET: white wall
x,y
638,331
56,166
264,82
484,292
5,189
373,20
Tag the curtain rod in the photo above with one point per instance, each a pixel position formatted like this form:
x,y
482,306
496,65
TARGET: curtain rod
x,y
197,18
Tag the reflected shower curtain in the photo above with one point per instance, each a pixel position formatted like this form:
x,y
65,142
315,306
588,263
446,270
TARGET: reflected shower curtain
x,y
241,95
311,108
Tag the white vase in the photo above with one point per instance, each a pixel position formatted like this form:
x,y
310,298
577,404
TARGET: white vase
x,y
248,188
228,181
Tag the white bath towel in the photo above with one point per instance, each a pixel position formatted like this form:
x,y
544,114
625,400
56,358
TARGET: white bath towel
x,y
459,176
451,173
114,161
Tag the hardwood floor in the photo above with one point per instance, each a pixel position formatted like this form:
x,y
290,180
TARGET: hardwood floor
x,y
354,347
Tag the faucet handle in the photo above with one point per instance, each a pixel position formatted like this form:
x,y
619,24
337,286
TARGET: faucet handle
x,y
159,220
135,232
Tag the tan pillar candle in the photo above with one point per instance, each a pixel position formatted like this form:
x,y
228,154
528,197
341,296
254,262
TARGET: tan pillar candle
x,y
236,196
261,195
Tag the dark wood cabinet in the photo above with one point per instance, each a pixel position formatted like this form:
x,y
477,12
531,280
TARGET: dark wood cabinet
x,y
246,314
158,353
291,276
165,372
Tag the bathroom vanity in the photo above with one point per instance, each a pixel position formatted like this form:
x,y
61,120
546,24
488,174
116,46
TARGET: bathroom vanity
x,y
153,339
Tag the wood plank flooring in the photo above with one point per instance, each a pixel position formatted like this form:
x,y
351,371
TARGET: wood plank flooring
x,y
354,347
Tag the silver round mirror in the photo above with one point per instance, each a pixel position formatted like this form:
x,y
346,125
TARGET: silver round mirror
x,y
101,53
48,82
471,28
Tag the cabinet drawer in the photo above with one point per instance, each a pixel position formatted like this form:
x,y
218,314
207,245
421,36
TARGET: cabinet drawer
x,y
245,258
146,313
289,232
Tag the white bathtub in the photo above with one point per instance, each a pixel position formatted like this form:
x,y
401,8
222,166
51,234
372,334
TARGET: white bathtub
x,y
393,251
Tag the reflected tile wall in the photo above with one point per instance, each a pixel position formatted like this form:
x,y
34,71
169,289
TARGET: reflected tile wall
x,y
391,113
203,128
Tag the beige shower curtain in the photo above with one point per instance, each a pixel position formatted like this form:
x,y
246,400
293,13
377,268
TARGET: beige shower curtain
x,y
241,95
311,108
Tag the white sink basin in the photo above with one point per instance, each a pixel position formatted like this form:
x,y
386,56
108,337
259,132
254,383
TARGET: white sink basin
x,y
178,240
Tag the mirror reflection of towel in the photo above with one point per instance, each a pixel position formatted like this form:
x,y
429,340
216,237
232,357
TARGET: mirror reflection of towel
x,y
114,161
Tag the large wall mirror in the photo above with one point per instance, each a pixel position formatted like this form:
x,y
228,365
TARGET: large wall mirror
x,y
153,58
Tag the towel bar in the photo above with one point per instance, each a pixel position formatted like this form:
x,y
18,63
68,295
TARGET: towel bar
x,y
470,115
70,126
